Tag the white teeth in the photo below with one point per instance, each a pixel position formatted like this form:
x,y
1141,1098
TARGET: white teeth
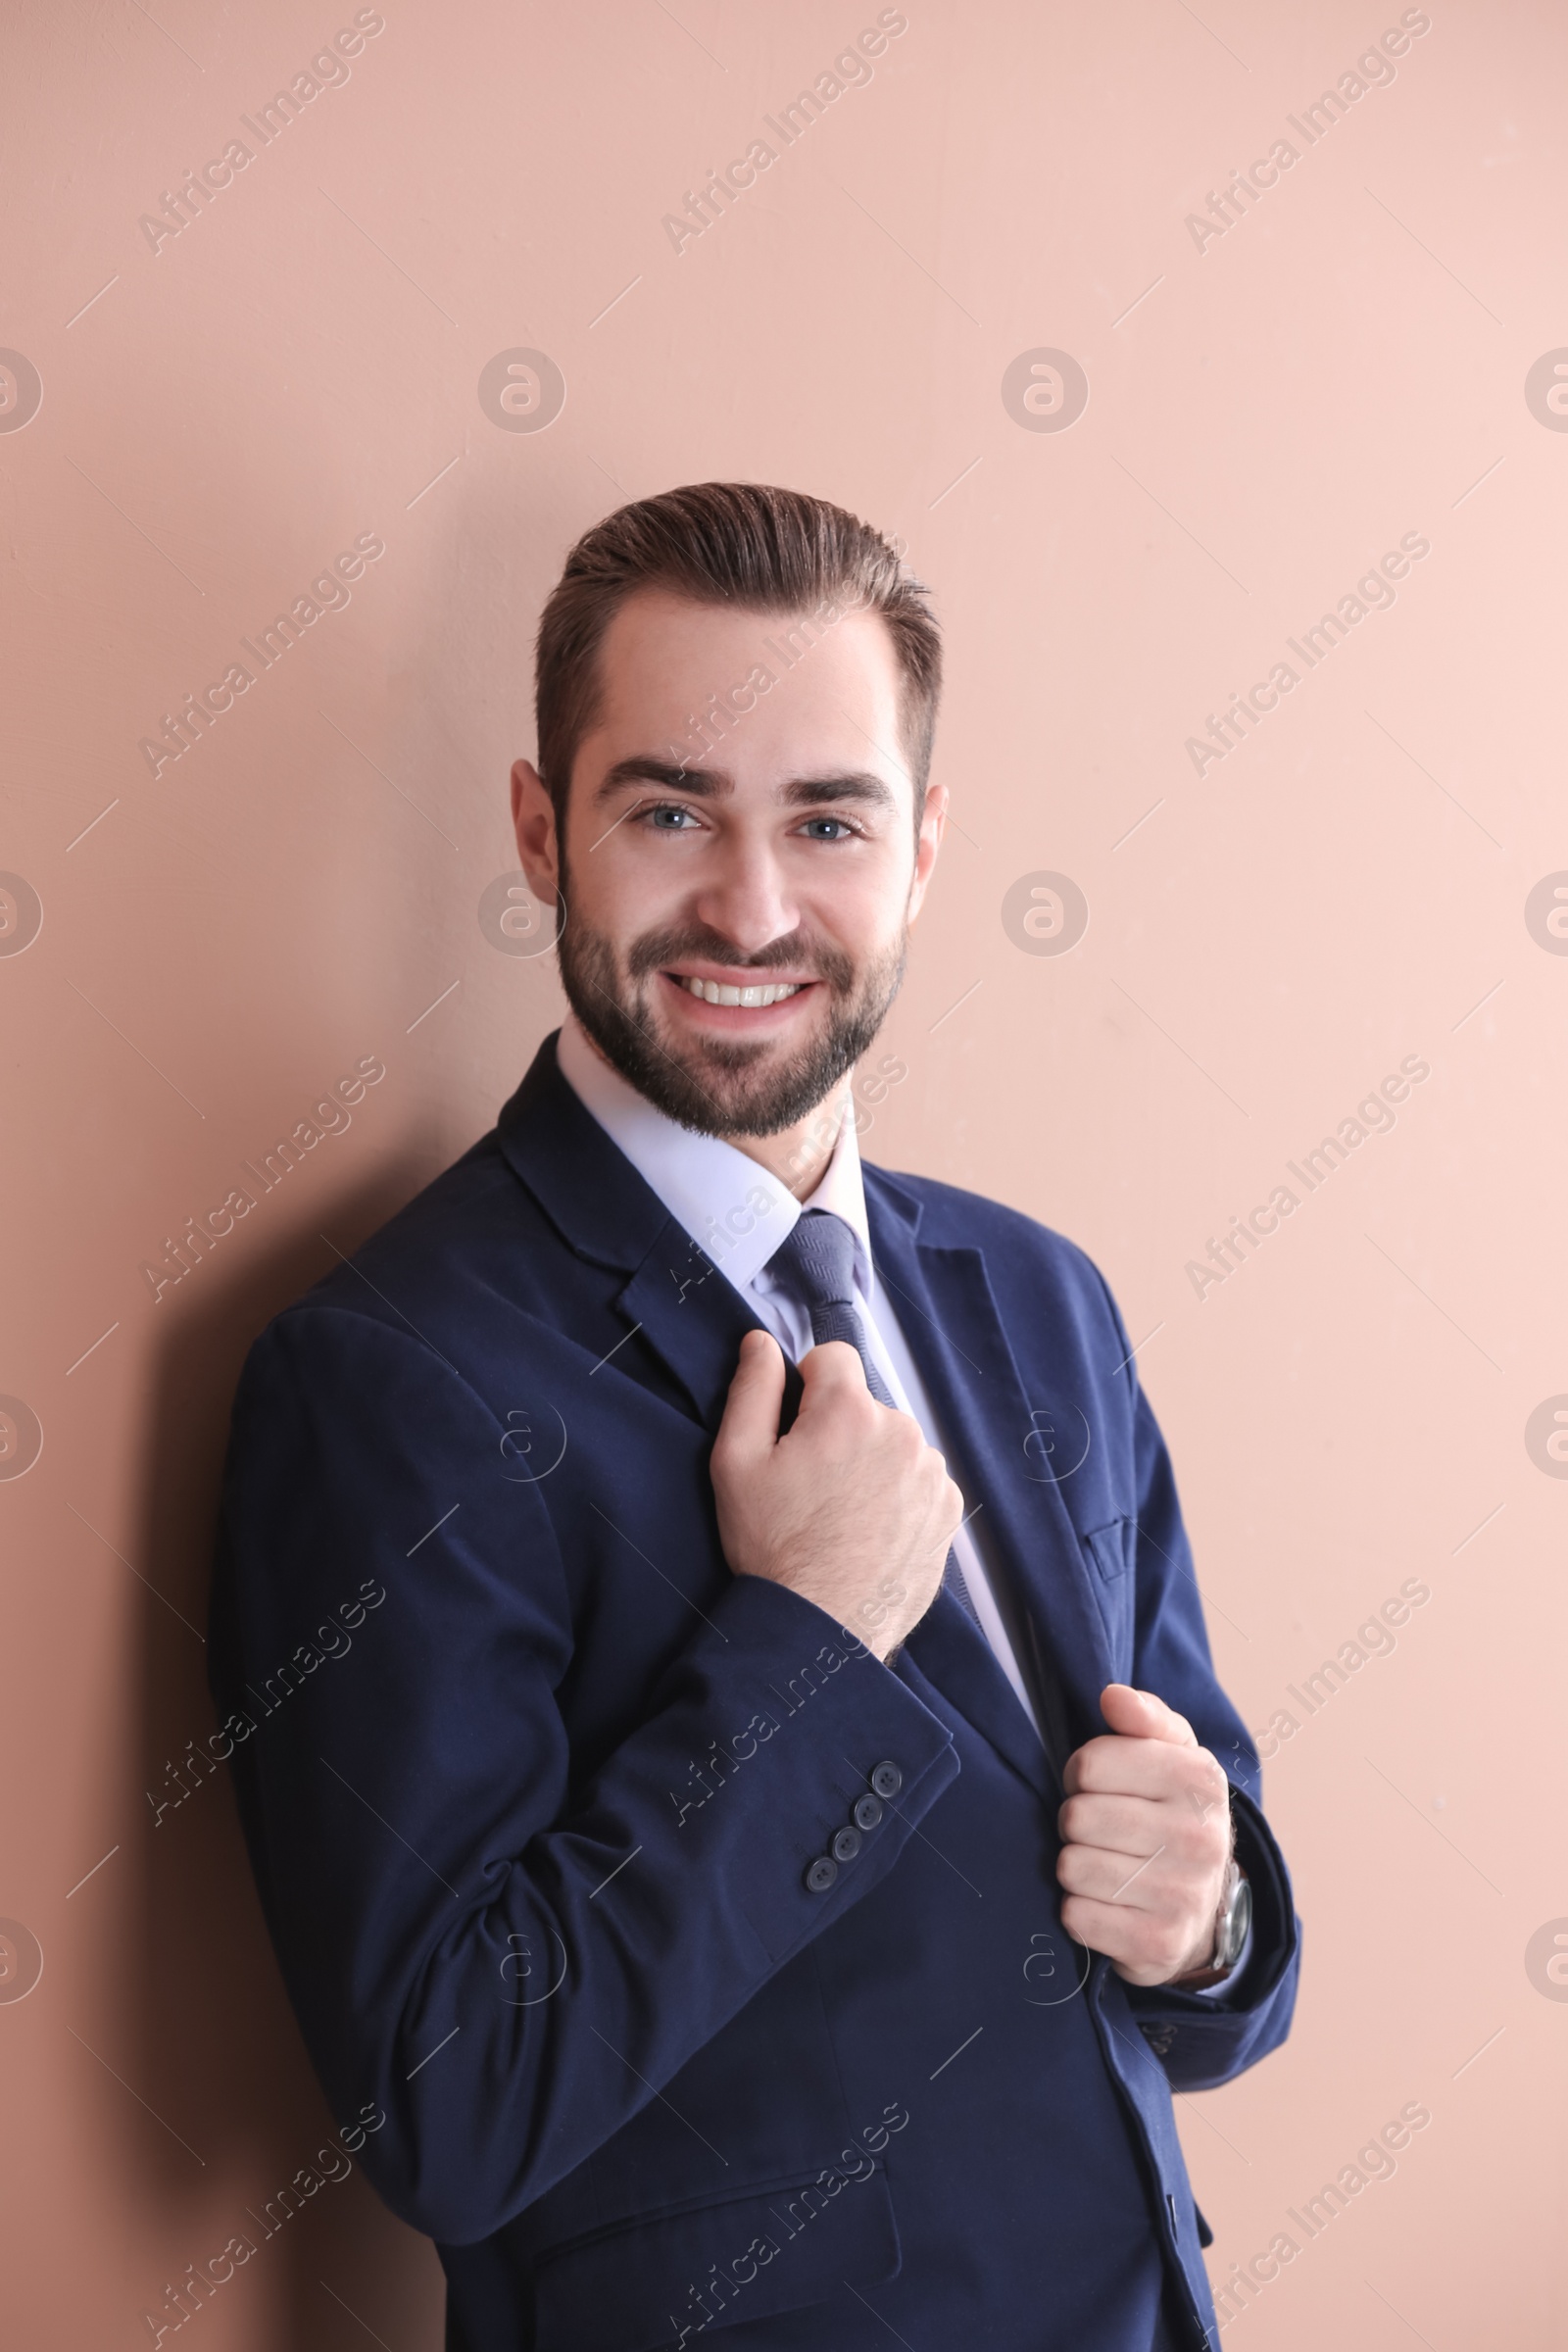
x,y
712,991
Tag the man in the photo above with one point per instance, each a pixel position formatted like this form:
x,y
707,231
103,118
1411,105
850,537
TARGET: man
x,y
735,1775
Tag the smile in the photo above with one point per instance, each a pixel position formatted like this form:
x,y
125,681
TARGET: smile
x,y
713,991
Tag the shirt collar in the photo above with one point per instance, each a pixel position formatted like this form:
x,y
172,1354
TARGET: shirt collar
x,y
737,1210
842,1192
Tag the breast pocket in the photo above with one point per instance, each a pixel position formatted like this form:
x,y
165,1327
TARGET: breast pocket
x,y
1112,1551
654,2282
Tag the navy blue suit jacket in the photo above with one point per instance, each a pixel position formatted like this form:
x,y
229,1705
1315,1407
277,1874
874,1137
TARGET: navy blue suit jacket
x,y
532,1785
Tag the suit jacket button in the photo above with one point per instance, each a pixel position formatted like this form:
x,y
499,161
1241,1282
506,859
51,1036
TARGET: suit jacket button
x,y
822,1874
866,1812
845,1845
886,1779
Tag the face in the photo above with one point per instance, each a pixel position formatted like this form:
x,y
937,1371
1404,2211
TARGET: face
x,y
736,916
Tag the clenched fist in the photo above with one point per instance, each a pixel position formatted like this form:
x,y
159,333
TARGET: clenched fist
x,y
1147,1831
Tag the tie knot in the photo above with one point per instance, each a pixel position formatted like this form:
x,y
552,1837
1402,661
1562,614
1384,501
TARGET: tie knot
x,y
816,1260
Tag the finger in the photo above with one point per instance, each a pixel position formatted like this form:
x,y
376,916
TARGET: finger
x,y
749,1430
1144,1715
828,1369
1143,1947
1121,1766
1117,1882
1123,1825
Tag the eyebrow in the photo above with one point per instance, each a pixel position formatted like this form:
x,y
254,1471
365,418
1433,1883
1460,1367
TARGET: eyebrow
x,y
717,784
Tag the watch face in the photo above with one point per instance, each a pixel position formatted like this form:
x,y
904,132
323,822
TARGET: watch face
x,y
1238,1919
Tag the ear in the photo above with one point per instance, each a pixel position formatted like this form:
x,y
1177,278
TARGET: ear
x,y
933,825
533,822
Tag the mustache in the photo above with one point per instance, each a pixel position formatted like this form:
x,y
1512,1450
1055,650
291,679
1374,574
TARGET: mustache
x,y
655,950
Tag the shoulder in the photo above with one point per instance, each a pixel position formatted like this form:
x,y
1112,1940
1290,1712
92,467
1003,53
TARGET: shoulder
x,y
421,1269
1023,1256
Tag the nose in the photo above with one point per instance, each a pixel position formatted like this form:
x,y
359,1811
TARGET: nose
x,y
744,895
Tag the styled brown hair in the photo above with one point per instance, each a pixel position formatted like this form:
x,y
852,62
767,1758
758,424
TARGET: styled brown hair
x,y
727,543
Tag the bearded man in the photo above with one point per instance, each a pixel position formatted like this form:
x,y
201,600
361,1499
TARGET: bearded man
x,y
779,1841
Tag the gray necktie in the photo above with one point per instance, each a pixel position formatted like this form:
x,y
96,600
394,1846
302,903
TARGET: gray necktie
x,y
815,1265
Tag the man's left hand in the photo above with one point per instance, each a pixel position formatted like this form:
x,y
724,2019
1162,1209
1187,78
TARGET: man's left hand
x,y
1147,1840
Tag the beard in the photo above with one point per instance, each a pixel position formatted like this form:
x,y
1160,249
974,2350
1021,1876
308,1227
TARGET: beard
x,y
723,1086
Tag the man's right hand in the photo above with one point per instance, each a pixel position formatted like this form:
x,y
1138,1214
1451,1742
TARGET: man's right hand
x,y
851,1508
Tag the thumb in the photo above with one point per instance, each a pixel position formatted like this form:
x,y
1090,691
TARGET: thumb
x,y
826,1370
749,1430
1144,1715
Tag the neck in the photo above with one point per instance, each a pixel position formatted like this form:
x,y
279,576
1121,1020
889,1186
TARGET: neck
x,y
797,1156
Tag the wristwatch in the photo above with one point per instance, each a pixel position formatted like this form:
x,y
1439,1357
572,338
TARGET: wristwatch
x,y
1230,1923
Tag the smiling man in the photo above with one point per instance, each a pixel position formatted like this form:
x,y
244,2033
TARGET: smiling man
x,y
781,1842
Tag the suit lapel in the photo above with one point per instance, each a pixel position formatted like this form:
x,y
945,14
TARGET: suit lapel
x,y
676,1300
954,1657
948,1313
694,1320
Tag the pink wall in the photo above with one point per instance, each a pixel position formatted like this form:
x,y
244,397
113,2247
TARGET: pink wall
x,y
1270,410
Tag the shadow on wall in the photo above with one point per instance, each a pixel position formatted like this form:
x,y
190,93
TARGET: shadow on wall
x,y
218,2051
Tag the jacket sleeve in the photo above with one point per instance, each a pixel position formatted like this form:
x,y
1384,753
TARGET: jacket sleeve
x,y
1203,2040
508,1957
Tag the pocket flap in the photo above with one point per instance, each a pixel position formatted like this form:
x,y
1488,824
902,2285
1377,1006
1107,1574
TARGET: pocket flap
x,y
658,2281
1112,1547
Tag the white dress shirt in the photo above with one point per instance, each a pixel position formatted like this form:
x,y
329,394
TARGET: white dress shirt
x,y
739,1212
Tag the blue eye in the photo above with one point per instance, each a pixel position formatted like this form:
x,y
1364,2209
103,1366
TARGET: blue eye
x,y
840,832
673,811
